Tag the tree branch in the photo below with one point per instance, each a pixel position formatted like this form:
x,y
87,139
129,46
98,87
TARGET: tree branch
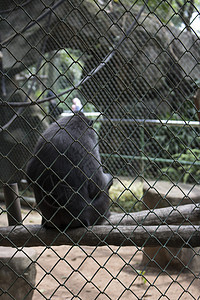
x,y
36,235
167,215
120,229
185,12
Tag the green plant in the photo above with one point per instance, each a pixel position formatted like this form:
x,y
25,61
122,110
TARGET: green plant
x,y
175,148
125,195
70,67
142,273
185,167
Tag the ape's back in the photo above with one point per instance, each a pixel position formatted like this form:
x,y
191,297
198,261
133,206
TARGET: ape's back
x,y
66,169
66,146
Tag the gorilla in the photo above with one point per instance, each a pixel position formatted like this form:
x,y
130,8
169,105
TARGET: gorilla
x,y
69,184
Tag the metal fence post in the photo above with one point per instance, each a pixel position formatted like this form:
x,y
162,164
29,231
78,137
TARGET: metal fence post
x,y
13,205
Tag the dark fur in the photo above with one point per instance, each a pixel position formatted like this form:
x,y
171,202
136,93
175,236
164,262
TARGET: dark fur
x,y
68,180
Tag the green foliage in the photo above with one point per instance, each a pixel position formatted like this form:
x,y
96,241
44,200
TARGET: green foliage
x,y
168,141
70,65
179,144
175,12
142,274
125,195
186,167
61,70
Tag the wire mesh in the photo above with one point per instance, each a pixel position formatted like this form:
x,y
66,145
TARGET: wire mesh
x,y
99,113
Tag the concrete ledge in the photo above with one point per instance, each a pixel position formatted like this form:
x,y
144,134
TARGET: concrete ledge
x,y
164,193
161,194
17,273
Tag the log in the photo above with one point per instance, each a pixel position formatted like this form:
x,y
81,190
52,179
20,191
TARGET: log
x,y
13,205
25,201
164,235
167,215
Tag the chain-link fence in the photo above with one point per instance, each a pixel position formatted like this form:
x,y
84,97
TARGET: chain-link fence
x,y
99,151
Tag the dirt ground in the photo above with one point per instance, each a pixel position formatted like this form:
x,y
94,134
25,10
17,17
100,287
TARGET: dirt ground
x,y
89,273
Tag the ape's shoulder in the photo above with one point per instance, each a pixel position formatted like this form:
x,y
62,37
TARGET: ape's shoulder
x,y
74,123
67,130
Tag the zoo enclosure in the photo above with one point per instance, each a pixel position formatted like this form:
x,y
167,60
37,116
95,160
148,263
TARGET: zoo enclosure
x,y
127,60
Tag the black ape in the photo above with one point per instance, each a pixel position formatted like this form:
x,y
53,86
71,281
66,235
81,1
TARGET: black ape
x,y
68,180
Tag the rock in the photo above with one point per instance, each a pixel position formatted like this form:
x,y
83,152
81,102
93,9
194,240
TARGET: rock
x,y
162,194
17,273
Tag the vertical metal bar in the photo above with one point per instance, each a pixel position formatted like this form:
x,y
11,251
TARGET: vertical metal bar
x,y
13,205
142,155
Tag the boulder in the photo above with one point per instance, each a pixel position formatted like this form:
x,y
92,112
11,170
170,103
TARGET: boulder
x,y
162,194
17,273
